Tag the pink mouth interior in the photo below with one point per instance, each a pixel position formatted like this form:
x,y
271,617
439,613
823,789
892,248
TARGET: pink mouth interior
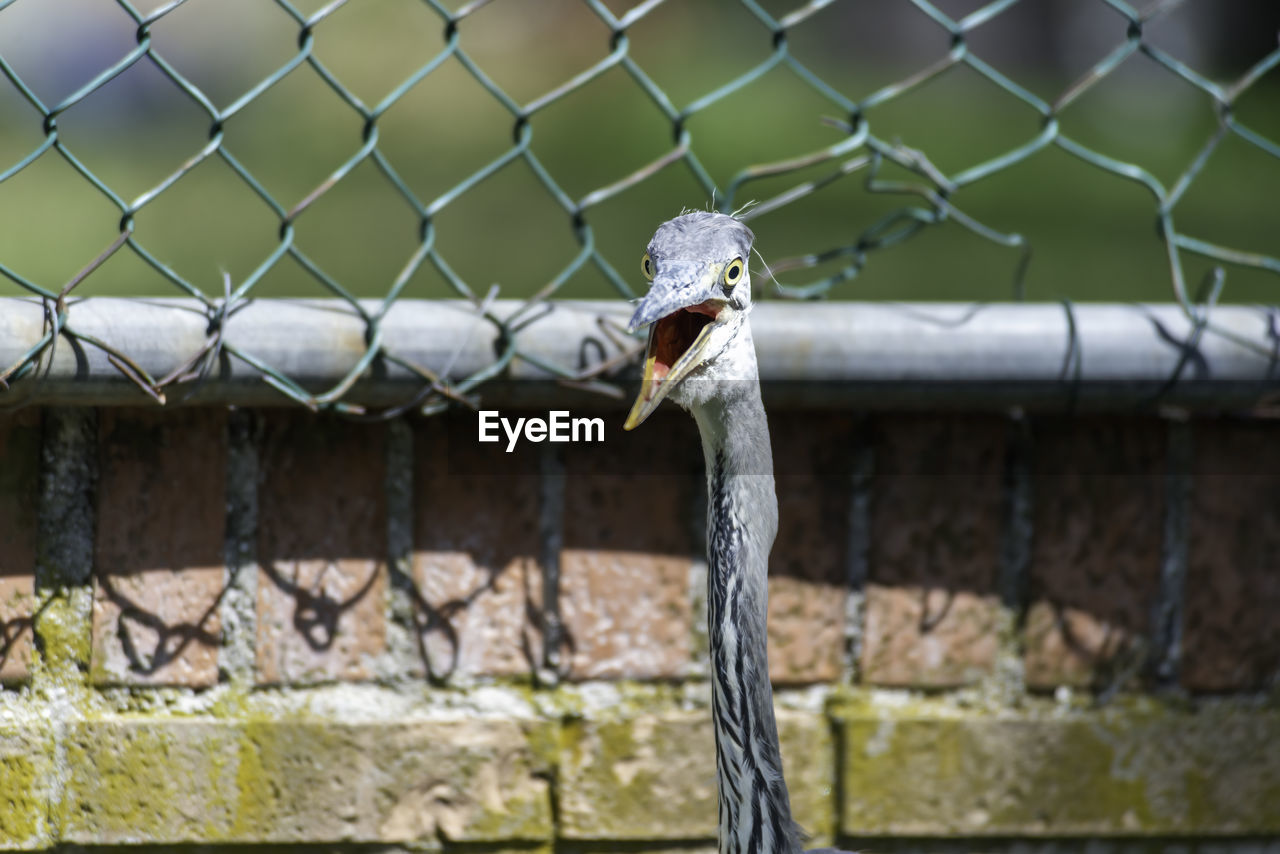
x,y
674,335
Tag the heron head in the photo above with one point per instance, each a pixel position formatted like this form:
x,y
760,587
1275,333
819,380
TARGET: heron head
x,y
697,302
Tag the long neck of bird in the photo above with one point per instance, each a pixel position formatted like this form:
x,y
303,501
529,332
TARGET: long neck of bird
x,y
755,812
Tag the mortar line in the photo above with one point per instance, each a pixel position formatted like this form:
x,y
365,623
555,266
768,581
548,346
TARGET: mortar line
x,y
551,486
402,657
63,628
1019,497
238,611
861,477
68,481
1017,532
1167,610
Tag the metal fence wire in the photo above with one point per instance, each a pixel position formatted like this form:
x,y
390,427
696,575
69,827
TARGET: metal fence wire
x,y
928,194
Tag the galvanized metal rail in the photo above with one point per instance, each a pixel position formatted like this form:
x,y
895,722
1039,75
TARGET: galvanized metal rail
x,y
872,356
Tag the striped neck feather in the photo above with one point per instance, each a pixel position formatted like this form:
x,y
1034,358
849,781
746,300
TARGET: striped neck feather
x,y
754,809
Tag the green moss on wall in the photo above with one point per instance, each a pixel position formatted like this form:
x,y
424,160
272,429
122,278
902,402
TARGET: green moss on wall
x,y
1136,768
65,638
22,806
121,789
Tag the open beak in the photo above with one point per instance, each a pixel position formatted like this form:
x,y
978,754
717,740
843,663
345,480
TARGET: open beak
x,y
677,345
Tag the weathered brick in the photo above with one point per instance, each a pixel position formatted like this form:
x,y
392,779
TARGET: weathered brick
x,y
27,785
1231,638
808,564
159,546
652,777
628,550
322,542
475,559
477,781
1097,549
158,781
645,777
1123,772
931,603
19,488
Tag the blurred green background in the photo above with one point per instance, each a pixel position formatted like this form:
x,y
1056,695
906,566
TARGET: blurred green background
x,y
1093,234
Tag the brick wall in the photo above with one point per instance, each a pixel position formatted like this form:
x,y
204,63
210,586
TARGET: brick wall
x,y
267,626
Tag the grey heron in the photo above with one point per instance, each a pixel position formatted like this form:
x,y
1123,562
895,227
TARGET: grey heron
x,y
700,354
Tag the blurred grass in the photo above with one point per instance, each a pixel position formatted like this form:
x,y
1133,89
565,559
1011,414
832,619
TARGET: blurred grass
x,y
1092,234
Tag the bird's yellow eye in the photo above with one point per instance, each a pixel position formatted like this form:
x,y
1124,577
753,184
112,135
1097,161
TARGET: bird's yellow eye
x,y
733,273
646,264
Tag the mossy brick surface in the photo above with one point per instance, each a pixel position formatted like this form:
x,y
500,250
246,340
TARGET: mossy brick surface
x,y
475,781
652,777
809,762
26,781
1124,772
136,781
1134,772
290,781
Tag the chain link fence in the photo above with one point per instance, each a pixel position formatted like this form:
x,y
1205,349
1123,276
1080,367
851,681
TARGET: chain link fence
x,y
759,64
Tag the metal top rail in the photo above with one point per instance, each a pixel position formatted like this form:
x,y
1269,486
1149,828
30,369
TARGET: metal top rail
x,y
1041,356
861,143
